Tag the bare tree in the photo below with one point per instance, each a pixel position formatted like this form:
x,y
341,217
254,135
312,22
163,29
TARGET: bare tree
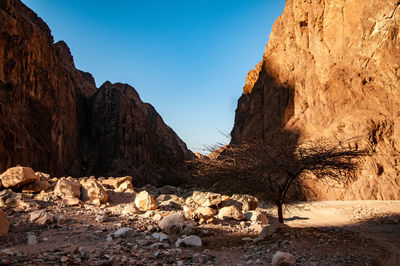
x,y
270,170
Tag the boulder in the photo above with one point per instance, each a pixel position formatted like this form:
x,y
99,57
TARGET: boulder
x,y
122,232
230,212
68,201
189,241
269,230
256,216
204,199
283,259
92,191
144,201
175,224
36,187
10,199
66,188
4,224
204,214
116,182
243,202
17,177
41,217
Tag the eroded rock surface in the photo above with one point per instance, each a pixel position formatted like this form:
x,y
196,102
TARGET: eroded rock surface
x,y
53,118
331,70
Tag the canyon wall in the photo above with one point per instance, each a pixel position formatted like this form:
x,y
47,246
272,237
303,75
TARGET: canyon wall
x,y
331,70
53,118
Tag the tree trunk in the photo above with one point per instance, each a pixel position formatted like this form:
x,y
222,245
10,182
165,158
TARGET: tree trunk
x,y
280,212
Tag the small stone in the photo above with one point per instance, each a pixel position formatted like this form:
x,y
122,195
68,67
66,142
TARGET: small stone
x,y
230,212
122,232
60,219
144,201
32,240
41,217
100,218
189,241
256,216
175,224
160,236
68,201
269,230
282,258
157,217
64,259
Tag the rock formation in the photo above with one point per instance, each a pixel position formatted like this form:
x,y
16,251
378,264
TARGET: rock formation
x,y
135,136
54,119
331,70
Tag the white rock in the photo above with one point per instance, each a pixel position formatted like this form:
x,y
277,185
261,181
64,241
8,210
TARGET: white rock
x,y
32,240
256,216
122,232
282,258
160,236
190,241
175,224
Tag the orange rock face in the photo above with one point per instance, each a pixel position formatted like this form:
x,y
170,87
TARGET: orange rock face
x,y
54,119
331,70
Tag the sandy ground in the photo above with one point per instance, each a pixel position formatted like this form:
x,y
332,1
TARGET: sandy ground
x,y
378,220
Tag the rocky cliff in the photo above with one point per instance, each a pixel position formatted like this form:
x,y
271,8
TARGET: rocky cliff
x,y
136,137
47,105
331,70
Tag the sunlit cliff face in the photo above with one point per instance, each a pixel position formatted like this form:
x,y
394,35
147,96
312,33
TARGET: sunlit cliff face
x,y
341,61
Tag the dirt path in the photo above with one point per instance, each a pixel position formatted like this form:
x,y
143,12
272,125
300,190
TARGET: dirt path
x,y
378,220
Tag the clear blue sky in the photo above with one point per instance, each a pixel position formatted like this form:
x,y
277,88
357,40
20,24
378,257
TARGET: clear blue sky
x,y
189,59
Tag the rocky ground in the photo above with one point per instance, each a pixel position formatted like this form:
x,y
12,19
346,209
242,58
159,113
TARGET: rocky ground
x,y
107,221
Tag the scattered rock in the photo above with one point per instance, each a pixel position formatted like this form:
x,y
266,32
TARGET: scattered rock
x,y
130,209
4,224
36,187
10,199
32,240
256,216
60,219
160,236
93,191
68,201
41,217
17,177
189,241
243,202
282,259
144,201
230,212
116,182
205,214
172,204
66,188
268,230
204,199
175,224
122,232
